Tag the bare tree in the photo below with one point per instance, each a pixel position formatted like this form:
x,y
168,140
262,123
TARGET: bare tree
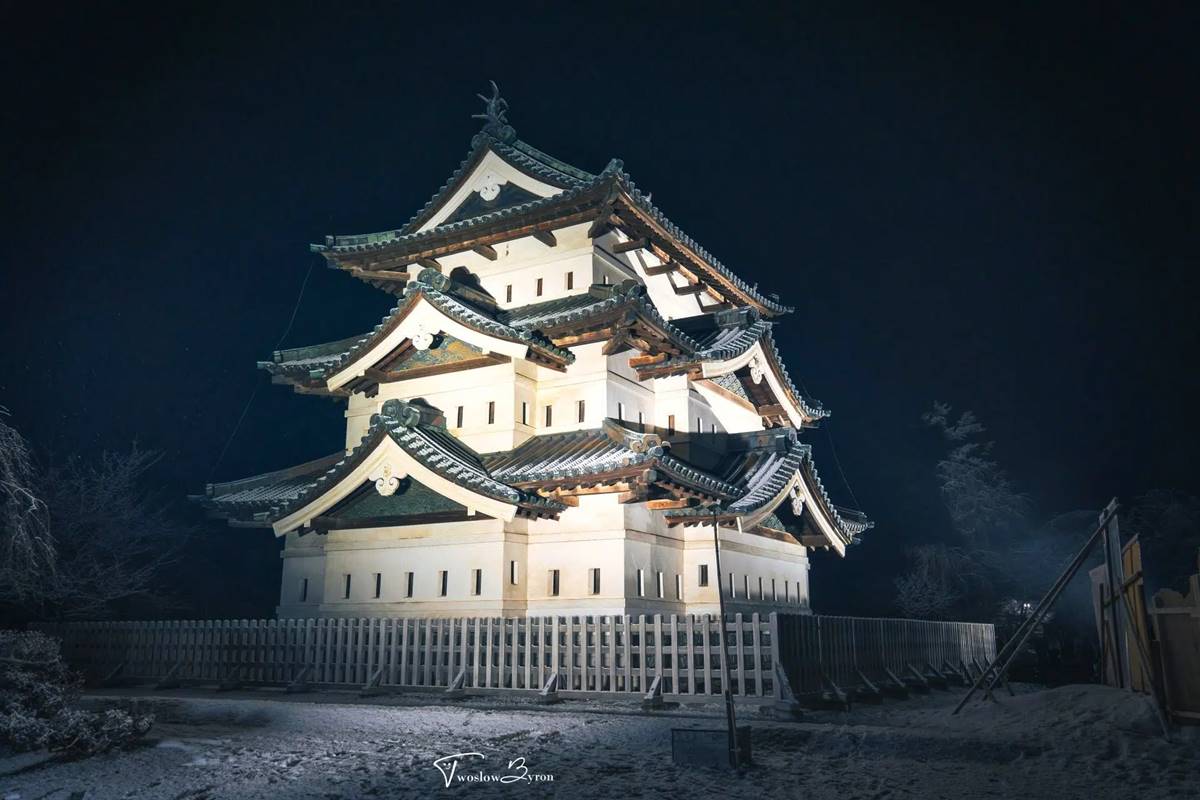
x,y
114,537
26,546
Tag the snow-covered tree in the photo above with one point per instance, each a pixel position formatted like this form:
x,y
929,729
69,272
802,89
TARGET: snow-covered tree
x,y
26,547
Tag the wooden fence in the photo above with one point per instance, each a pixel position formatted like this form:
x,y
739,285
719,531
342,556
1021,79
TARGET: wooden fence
x,y
604,654
819,651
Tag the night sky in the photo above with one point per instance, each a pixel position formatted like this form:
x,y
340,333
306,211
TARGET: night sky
x,y
996,211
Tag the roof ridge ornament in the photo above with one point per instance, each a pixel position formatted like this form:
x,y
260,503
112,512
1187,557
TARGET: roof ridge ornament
x,y
495,116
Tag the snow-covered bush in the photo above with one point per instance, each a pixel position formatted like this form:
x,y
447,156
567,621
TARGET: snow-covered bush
x,y
36,693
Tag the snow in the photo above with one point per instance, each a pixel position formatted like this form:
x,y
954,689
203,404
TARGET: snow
x,y
1071,742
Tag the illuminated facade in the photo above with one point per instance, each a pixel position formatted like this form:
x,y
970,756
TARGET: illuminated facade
x,y
567,394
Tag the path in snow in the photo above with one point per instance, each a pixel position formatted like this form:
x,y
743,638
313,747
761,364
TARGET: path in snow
x,y
1071,742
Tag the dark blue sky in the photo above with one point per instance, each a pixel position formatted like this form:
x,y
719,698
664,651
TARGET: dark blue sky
x,y
996,210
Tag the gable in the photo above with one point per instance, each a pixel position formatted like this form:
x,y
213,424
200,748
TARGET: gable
x,y
411,503
493,183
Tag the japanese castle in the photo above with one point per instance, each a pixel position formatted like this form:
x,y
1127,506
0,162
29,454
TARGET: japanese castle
x,y
568,395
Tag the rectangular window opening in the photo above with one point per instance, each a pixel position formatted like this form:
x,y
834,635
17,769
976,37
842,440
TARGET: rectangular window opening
x,y
512,572
641,586
582,411
477,582
492,412
553,583
670,424
524,413
378,585
346,589
659,585
732,590
508,293
409,579
303,590
570,280
549,416
443,583
678,587
459,417
703,575
621,411
594,580
539,287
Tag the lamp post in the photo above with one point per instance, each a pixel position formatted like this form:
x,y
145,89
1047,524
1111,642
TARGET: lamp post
x,y
730,718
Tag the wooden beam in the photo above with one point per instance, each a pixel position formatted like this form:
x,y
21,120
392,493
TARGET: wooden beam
x,y
545,237
615,345
632,244
660,505
380,274
641,361
635,496
691,288
662,269
486,250
431,263
709,309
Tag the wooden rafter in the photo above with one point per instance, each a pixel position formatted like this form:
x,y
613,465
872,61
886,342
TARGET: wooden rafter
x,y
545,237
487,251
633,244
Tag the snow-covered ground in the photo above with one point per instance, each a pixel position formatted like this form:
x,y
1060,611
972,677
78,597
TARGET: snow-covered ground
x,y
1071,742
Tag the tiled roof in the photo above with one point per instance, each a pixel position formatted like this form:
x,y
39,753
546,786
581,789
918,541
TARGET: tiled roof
x,y
768,471
574,182
437,290
583,454
261,492
415,428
